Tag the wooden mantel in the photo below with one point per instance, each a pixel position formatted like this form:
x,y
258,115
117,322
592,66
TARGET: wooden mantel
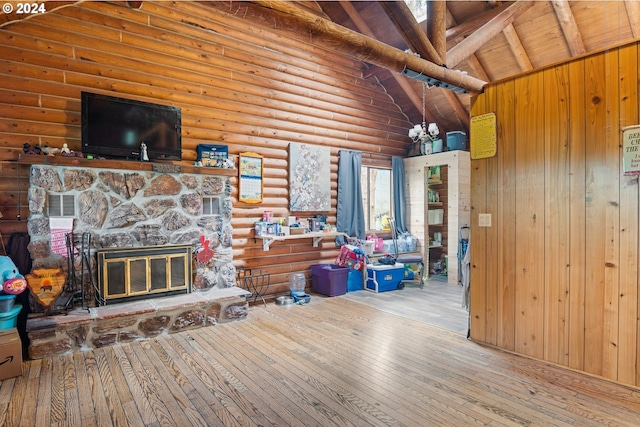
x,y
168,167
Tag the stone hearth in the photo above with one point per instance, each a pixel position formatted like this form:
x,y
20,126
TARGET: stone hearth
x,y
131,321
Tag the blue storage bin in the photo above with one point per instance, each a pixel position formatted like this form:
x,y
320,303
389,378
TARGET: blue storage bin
x,y
354,281
456,140
6,302
382,278
9,319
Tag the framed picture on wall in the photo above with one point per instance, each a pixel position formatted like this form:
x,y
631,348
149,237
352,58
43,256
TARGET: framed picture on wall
x,y
251,187
309,178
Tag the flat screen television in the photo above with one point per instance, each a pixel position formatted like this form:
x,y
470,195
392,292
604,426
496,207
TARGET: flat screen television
x,y
115,128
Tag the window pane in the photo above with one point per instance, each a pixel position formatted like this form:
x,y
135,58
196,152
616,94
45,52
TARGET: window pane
x,y
418,8
380,190
364,183
376,197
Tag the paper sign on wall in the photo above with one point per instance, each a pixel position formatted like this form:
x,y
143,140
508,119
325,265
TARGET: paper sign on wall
x,y
631,150
483,136
59,229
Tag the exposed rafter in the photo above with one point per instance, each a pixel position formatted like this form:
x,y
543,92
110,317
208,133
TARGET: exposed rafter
x,y
471,44
401,80
437,26
400,15
287,16
516,47
460,31
569,27
408,28
633,10
472,61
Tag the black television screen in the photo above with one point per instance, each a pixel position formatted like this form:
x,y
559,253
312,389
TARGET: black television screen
x,y
116,127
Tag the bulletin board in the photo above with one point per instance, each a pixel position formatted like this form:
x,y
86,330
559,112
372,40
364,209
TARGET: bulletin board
x,y
251,186
483,136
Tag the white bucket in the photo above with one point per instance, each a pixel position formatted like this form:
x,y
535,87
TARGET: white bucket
x,y
368,247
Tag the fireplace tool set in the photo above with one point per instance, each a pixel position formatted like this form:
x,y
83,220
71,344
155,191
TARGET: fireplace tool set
x,y
78,280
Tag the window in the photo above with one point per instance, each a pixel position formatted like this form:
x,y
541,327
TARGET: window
x,y
418,9
62,205
376,197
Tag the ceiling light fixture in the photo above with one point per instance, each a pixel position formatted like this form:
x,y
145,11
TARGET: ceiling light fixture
x,y
422,135
432,81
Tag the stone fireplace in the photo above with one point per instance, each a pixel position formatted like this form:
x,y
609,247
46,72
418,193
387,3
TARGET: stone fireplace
x,y
124,210
155,231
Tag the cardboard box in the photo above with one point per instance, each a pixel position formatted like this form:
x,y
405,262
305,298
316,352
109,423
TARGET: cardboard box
x,y
10,354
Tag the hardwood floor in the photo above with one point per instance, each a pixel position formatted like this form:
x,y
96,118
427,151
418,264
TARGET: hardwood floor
x,y
437,303
333,362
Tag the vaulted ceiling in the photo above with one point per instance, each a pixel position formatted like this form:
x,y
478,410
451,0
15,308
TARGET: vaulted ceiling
x,y
489,40
463,43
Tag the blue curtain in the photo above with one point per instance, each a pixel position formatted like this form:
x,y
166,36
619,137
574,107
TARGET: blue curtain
x,y
350,211
399,199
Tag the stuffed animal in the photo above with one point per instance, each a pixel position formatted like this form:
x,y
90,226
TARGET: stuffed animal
x,y
12,281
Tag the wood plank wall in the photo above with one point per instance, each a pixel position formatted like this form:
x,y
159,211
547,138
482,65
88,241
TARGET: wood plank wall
x,y
249,85
556,276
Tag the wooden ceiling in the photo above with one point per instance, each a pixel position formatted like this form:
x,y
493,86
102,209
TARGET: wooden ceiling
x,y
495,39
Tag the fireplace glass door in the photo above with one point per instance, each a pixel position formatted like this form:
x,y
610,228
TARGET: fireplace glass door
x,y
144,272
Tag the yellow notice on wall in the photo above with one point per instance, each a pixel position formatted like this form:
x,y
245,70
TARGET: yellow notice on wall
x,y
631,150
483,136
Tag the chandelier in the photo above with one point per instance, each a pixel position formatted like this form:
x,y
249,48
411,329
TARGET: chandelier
x,y
424,134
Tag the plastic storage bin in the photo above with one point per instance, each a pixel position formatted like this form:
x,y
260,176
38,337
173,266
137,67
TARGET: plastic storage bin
x,y
456,140
382,278
437,146
329,279
354,281
9,319
6,302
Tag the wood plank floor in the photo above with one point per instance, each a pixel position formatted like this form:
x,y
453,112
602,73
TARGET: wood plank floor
x,y
333,362
437,303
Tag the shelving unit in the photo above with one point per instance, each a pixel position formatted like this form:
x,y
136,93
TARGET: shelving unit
x,y
435,226
454,200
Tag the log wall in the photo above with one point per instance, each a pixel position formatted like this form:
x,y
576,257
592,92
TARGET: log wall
x,y
248,85
556,275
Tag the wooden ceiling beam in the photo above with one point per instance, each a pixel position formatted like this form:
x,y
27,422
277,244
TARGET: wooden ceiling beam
x,y
286,16
633,11
493,27
569,27
437,27
400,15
401,80
473,62
468,27
408,27
516,47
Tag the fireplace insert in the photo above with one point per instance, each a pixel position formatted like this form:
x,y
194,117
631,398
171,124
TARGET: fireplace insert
x,y
144,272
